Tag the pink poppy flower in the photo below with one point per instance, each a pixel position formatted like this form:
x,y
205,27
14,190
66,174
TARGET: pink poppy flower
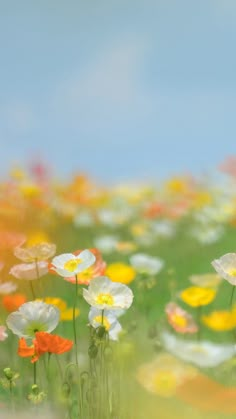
x,y
3,333
179,319
29,271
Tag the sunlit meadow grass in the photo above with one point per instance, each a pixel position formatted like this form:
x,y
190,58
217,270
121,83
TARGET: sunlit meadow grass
x,y
143,362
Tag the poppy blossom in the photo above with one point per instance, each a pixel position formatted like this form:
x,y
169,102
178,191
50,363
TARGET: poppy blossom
x,y
32,317
13,302
53,344
37,252
97,269
69,264
107,295
43,343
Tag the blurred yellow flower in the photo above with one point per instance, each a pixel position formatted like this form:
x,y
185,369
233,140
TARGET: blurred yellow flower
x,y
138,229
66,314
126,246
206,280
17,173
164,375
201,199
58,302
37,237
197,296
177,185
120,272
30,190
220,320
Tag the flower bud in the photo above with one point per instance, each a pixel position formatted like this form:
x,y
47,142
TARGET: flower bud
x,y
8,373
93,351
101,330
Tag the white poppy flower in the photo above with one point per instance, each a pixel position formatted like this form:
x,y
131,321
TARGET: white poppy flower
x,y
163,228
211,280
29,271
40,251
108,319
203,354
207,234
83,219
7,287
107,295
106,244
31,317
225,266
68,264
143,263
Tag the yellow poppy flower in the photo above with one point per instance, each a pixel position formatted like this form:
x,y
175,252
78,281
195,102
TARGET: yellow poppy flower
x,y
197,296
67,315
120,272
220,320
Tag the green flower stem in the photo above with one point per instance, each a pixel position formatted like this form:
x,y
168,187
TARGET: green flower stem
x,y
32,289
38,277
35,372
11,395
74,325
232,297
59,367
199,314
76,347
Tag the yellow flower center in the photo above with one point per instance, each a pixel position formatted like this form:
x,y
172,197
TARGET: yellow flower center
x,y
72,264
103,321
232,272
86,274
105,299
179,320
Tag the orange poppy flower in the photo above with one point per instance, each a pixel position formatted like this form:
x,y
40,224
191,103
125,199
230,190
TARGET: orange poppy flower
x,y
53,344
13,302
25,351
43,343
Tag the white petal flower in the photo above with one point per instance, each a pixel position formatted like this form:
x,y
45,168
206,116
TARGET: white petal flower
x,y
164,228
106,244
207,234
108,319
7,287
143,263
31,317
107,295
29,271
211,280
203,354
41,251
225,266
68,264
83,219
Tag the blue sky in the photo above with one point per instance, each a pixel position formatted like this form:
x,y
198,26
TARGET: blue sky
x,y
123,90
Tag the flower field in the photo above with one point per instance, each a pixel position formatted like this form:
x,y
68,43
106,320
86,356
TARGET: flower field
x,y
117,302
